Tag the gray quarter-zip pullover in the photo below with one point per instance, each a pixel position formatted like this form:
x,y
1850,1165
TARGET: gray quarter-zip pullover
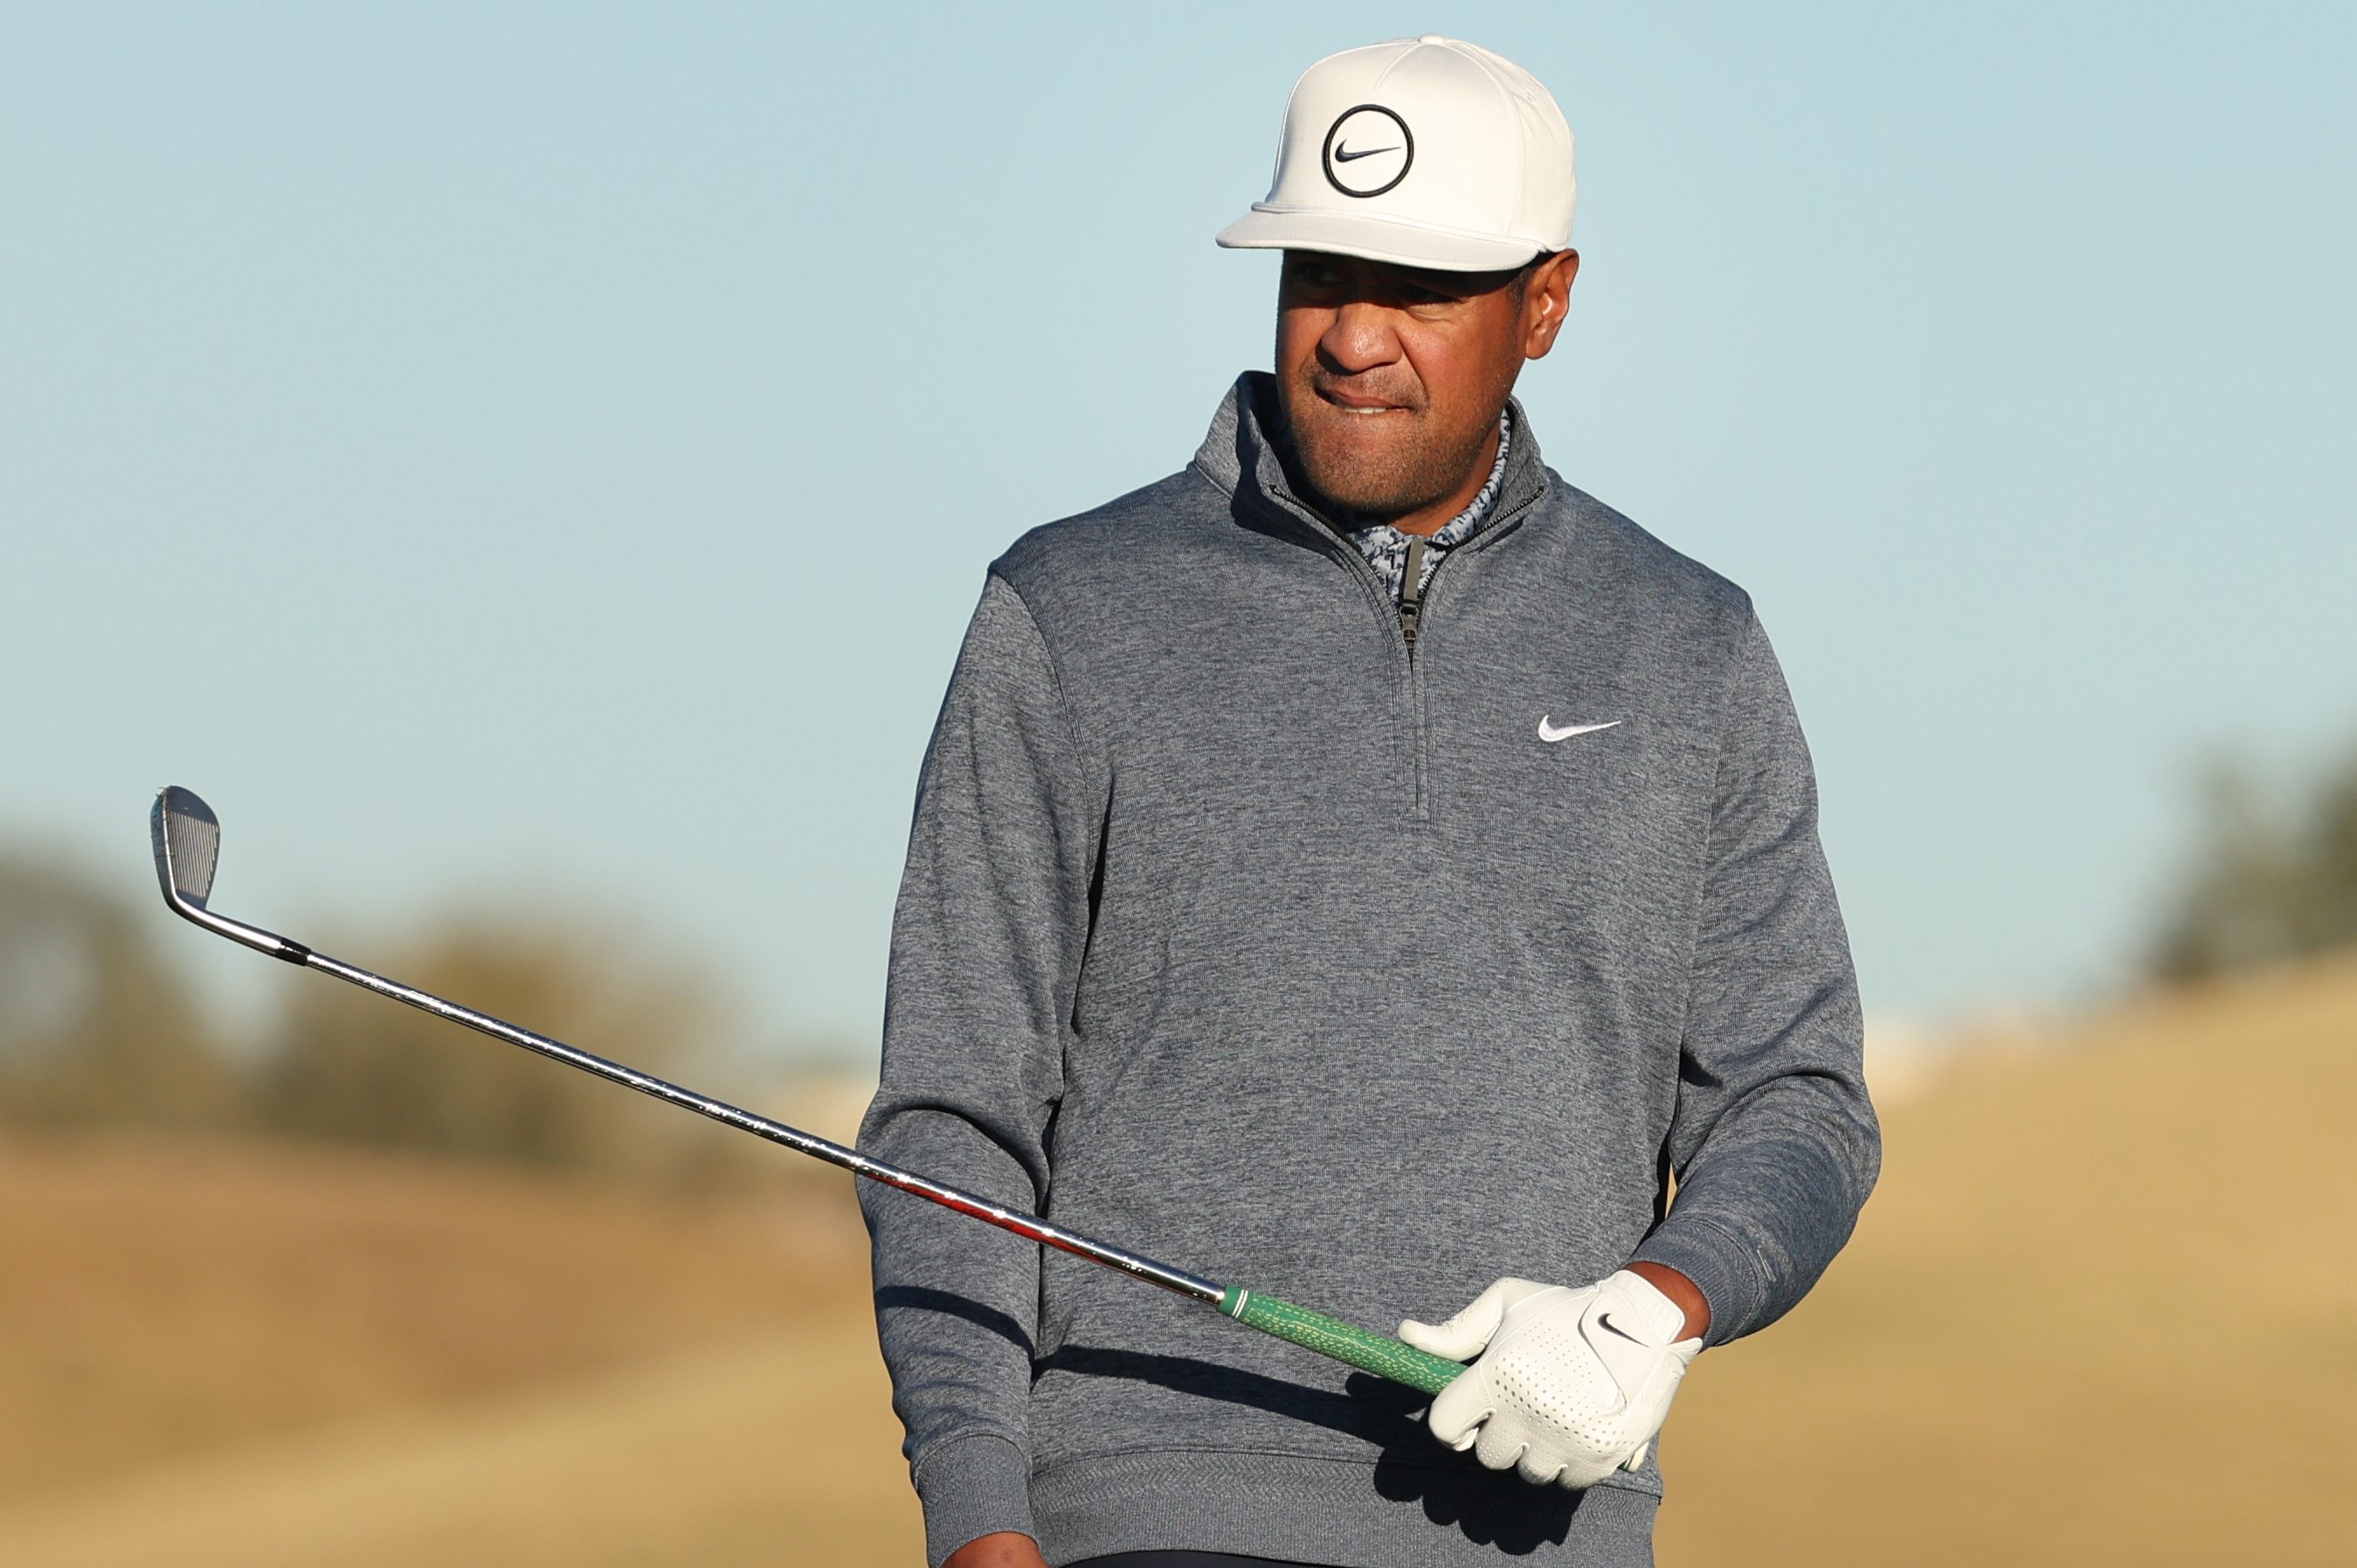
x,y
1234,932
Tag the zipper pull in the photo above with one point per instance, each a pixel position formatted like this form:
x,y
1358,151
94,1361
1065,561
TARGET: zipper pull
x,y
1411,601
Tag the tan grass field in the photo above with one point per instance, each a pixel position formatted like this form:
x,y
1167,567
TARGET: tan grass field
x,y
2103,1310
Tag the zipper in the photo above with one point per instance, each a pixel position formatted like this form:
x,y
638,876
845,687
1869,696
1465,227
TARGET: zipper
x,y
1414,603
1497,527
1411,599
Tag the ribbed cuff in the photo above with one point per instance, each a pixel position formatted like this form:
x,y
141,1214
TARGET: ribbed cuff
x,y
1721,1267
970,1487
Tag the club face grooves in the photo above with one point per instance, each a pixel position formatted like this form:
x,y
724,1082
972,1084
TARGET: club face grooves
x,y
187,837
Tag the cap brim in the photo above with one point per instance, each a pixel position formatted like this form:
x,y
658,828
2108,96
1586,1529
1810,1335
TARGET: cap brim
x,y
1373,238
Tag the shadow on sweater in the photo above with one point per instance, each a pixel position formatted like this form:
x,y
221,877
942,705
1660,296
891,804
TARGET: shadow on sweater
x,y
1489,1507
923,1298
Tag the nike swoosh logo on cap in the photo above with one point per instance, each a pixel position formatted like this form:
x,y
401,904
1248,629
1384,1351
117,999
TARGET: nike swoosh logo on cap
x,y
1549,733
1344,154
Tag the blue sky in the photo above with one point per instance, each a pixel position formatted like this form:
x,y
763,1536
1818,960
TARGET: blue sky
x,y
547,456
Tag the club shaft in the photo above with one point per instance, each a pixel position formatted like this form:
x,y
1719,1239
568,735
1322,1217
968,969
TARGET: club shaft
x,y
182,825
1026,1224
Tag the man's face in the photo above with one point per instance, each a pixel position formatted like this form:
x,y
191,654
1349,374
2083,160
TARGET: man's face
x,y
1391,377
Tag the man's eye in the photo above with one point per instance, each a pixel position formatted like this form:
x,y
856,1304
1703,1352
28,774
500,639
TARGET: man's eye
x,y
1413,297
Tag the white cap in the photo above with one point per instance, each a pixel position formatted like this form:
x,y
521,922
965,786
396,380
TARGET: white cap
x,y
1426,152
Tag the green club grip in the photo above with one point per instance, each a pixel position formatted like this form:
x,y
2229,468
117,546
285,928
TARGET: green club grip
x,y
1377,1353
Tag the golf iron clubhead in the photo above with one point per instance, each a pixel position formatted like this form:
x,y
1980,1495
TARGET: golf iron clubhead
x,y
186,836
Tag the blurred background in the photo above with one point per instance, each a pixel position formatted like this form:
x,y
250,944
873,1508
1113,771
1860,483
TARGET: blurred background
x,y
529,466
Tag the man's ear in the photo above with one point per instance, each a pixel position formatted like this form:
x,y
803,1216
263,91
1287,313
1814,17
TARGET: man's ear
x,y
1546,298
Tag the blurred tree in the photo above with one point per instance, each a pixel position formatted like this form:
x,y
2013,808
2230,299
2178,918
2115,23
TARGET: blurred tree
x,y
355,1068
2268,881
94,1029
97,1030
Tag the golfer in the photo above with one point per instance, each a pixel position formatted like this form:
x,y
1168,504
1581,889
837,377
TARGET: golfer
x,y
1364,865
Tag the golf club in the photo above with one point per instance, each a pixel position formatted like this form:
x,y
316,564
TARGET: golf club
x,y
186,839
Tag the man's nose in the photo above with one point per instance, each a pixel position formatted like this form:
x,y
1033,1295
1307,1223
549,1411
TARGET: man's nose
x,y
1360,337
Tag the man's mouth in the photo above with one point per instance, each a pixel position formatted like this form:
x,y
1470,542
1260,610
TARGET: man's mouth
x,y
1345,403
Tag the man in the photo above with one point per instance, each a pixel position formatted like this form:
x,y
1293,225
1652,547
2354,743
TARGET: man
x,y
1363,865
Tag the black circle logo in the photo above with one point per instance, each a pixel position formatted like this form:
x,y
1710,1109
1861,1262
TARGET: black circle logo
x,y
1367,151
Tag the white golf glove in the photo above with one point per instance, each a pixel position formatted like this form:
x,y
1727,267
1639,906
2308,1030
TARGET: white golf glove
x,y
1572,1385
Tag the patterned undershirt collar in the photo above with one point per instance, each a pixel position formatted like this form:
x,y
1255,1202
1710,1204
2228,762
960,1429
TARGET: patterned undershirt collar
x,y
1386,547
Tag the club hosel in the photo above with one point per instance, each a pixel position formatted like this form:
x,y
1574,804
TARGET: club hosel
x,y
255,937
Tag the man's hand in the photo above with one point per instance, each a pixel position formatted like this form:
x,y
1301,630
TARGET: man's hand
x,y
1572,1385
999,1548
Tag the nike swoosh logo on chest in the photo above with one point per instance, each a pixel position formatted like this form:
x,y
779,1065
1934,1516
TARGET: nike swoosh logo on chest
x,y
1550,734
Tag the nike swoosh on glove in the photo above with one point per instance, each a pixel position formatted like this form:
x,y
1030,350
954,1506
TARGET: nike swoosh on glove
x,y
1571,1384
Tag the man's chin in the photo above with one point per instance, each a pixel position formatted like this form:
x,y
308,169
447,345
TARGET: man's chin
x,y
1361,474
1366,488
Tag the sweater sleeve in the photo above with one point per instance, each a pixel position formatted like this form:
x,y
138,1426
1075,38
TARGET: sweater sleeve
x,y
1774,1142
987,943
